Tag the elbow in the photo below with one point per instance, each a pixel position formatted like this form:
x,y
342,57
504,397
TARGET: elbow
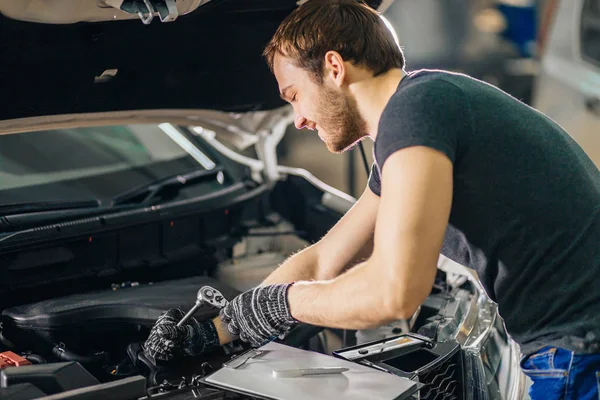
x,y
400,305
407,312
401,311
404,293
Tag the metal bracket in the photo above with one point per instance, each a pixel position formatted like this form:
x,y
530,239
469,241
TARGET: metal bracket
x,y
148,15
266,147
167,10
241,359
146,9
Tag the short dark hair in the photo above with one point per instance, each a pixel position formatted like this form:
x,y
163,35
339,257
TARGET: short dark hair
x,y
350,27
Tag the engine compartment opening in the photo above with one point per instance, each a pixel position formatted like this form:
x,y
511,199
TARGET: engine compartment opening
x,y
99,309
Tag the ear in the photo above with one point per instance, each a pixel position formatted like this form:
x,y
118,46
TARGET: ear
x,y
335,68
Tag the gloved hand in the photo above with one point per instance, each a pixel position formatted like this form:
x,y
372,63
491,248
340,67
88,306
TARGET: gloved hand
x,y
167,340
259,315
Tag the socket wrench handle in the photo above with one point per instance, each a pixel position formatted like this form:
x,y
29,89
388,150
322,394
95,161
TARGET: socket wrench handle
x,y
206,295
190,313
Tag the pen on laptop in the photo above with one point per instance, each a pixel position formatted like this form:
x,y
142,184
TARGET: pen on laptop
x,y
294,373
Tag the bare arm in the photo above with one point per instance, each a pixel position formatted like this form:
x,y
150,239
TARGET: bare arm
x,y
349,241
411,222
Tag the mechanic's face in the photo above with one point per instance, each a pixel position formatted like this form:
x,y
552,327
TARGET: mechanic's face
x,y
324,107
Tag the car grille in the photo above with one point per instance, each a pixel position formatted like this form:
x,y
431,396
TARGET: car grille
x,y
443,381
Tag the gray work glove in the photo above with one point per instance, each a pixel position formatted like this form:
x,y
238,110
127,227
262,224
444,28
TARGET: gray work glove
x,y
167,340
259,315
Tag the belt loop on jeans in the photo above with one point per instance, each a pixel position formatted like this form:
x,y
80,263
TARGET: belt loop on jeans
x,y
568,385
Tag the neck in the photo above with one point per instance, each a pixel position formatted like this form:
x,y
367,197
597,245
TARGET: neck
x,y
372,94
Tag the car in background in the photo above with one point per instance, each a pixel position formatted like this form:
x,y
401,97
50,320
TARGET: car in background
x,y
138,164
568,86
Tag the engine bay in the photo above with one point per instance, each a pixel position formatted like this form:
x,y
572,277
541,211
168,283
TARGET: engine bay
x,y
94,341
100,329
78,309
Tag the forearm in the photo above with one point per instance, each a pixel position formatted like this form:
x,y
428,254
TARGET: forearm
x,y
302,266
224,335
361,298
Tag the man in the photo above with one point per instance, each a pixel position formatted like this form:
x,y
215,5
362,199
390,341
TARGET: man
x,y
460,168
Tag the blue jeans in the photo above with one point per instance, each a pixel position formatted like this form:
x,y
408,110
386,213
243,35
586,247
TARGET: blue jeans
x,y
560,374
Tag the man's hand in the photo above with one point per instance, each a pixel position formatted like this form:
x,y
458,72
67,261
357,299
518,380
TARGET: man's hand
x,y
259,315
167,340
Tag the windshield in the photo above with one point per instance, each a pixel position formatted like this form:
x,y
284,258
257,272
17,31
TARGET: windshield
x,y
93,162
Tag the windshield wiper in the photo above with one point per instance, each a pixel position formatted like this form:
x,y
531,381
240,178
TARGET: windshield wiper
x,y
146,193
43,206
24,215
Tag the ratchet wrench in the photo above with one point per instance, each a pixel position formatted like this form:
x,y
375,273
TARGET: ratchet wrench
x,y
206,295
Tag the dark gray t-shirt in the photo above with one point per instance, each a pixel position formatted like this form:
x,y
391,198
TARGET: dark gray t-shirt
x,y
526,203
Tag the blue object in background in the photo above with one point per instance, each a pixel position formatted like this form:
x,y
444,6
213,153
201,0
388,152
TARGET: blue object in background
x,y
521,29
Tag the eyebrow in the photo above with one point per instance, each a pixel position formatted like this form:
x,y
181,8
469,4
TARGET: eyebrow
x,y
282,94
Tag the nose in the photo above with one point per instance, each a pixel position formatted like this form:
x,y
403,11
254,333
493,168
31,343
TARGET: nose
x,y
301,122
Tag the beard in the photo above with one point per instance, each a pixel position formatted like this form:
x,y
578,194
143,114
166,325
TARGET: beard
x,y
340,121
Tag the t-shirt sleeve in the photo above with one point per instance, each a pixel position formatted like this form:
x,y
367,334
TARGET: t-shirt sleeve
x,y
433,114
375,180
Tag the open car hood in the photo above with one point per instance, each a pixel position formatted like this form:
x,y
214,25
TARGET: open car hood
x,y
71,57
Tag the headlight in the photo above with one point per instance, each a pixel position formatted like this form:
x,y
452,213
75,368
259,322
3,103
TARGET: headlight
x,y
491,357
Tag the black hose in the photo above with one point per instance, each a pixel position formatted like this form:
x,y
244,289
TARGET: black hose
x,y
35,359
67,355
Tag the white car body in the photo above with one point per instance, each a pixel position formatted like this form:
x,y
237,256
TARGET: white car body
x,y
568,86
